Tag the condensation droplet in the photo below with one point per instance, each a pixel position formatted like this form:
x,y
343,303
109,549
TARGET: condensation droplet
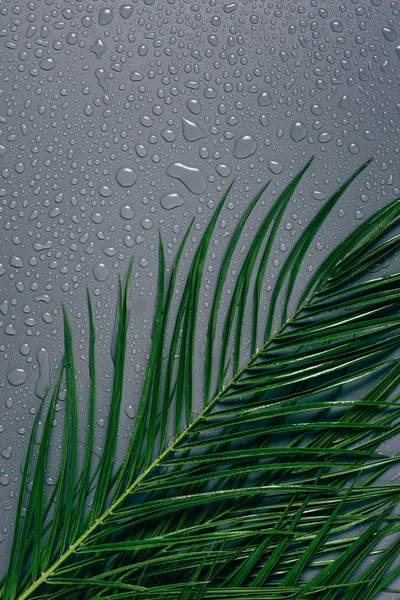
x,y
100,272
125,177
191,177
244,147
16,376
170,201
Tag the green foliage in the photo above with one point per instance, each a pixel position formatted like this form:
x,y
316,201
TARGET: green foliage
x,y
279,487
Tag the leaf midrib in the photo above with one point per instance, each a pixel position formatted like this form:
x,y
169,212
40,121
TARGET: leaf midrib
x,y
156,463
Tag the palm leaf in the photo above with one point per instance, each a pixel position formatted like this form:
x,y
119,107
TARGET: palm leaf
x,y
262,493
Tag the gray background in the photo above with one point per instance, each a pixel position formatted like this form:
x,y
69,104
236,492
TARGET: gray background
x,y
119,119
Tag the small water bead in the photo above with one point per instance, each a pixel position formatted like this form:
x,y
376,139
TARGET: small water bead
x,y
98,48
141,150
136,76
337,26
324,137
9,330
127,212
97,218
318,195
7,453
4,479
16,376
105,191
47,64
146,223
43,381
298,131
130,411
16,262
223,170
171,201
142,50
25,349
72,38
125,10
47,318
192,131
126,177
275,167
230,8
143,263
194,106
105,16
359,215
264,99
389,34
100,272
168,135
245,146
354,148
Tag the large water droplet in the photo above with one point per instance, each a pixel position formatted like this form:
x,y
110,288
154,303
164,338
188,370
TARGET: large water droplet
x,y
245,146
192,131
100,272
47,64
125,176
191,177
170,201
105,16
275,167
43,382
298,131
264,99
16,376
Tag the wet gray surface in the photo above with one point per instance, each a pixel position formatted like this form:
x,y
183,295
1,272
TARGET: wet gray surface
x,y
118,119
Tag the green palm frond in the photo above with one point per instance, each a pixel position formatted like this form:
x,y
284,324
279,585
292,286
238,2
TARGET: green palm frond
x,y
280,487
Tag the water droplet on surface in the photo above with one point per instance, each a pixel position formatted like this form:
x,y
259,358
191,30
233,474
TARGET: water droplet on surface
x,y
389,34
125,10
170,201
7,453
264,99
324,137
146,223
47,64
16,376
43,381
127,212
130,412
275,167
344,101
105,16
354,148
191,177
192,131
230,8
100,272
318,195
105,191
98,48
244,147
125,177
194,106
223,170
298,131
